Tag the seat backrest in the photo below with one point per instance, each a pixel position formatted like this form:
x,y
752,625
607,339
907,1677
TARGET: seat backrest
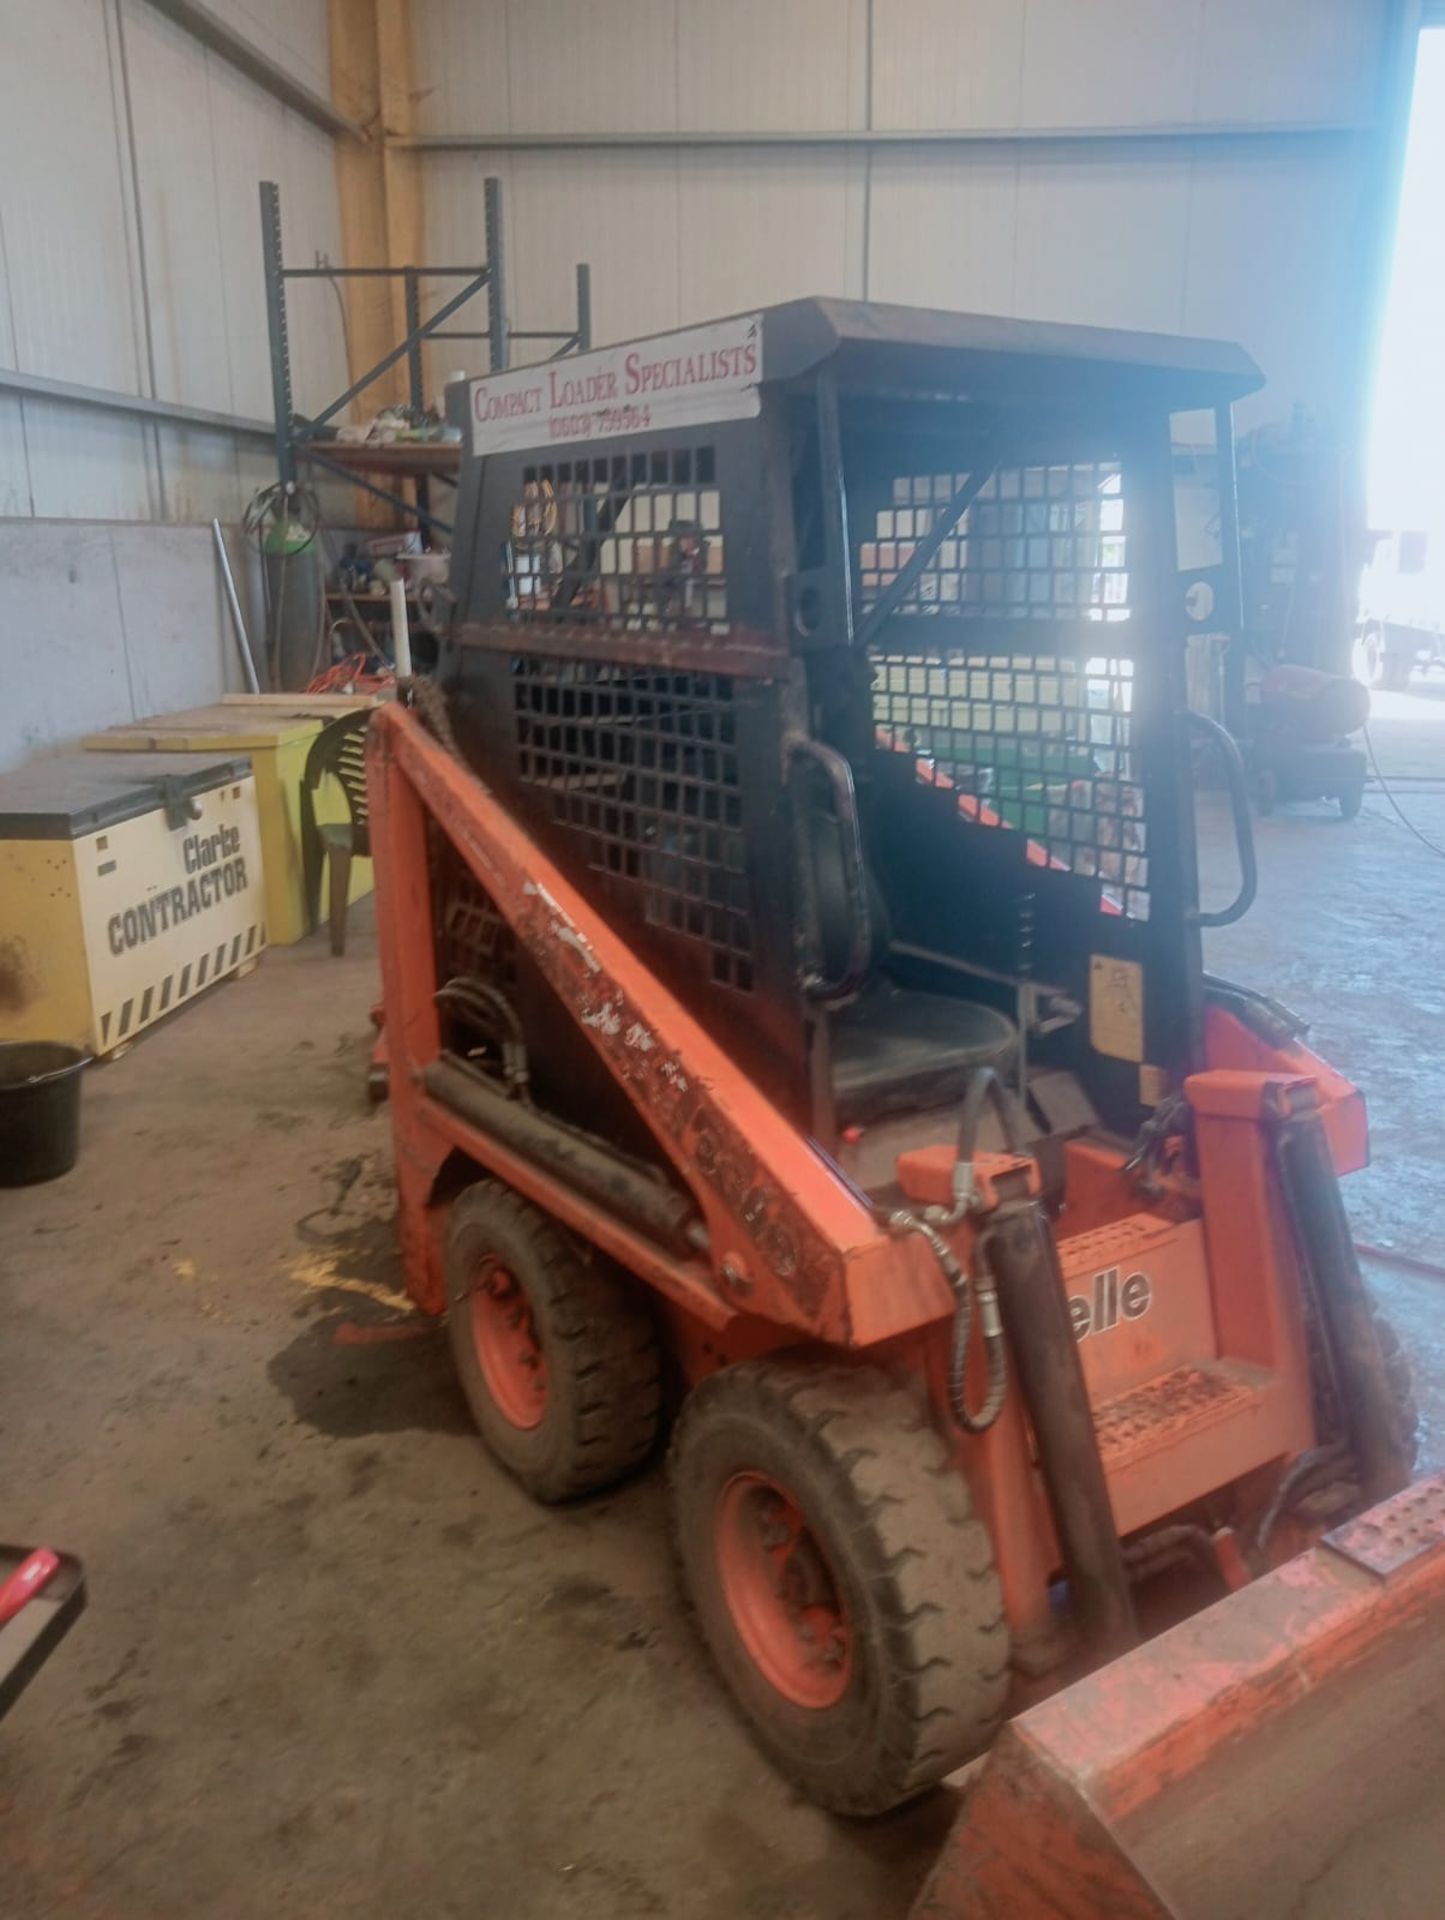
x,y
340,750
831,900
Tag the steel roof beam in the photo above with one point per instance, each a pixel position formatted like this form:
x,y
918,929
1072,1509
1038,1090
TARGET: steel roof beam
x,y
1213,133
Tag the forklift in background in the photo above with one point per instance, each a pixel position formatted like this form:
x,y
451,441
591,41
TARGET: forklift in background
x,y
791,947
1262,560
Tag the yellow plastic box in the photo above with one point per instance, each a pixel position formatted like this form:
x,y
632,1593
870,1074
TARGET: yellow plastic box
x,y
275,731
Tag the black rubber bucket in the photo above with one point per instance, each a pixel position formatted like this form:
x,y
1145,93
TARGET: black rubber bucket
x,y
39,1110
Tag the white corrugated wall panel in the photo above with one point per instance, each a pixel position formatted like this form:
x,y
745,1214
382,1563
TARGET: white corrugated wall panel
x,y
947,63
7,332
943,235
670,238
311,216
255,467
200,474
14,466
248,131
1249,242
293,33
64,219
1271,264
1076,63
592,69
204,138
1102,240
169,190
776,64
1109,63
623,208
1290,62
755,228
89,465
1090,237
175,167
461,60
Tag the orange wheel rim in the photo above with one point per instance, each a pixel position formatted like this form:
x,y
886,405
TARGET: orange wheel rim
x,y
782,1593
509,1352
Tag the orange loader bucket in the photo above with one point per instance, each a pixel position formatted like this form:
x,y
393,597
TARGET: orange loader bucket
x,y
1282,1752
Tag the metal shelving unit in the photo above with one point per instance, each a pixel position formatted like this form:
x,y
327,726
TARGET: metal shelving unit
x,y
300,439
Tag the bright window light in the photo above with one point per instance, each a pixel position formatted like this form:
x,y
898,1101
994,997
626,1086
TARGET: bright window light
x,y
1407,472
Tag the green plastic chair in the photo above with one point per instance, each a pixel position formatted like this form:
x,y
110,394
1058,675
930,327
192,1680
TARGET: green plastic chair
x,y
339,750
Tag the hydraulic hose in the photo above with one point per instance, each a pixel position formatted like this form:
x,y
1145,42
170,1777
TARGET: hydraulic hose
x,y
1312,1470
994,1353
902,1222
490,1011
985,1090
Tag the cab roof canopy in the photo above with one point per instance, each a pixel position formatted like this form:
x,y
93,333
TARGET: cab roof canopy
x,y
877,347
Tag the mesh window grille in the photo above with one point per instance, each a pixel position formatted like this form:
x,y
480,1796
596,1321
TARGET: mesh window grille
x,y
633,541
472,938
1041,745
643,765
1039,543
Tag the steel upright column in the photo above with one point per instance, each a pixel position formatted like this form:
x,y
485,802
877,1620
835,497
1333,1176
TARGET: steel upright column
x,y
276,330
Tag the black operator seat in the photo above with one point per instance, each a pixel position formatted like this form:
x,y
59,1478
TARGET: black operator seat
x,y
899,1051
895,1050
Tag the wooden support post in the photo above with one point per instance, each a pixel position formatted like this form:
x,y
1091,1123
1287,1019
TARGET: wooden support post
x,y
380,184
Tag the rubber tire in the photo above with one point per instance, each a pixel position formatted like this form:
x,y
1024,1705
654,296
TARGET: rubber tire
x,y
930,1641
1401,1376
604,1392
1351,799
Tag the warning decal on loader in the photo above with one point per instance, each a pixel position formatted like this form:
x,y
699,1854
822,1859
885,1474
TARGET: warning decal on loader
x,y
1116,1007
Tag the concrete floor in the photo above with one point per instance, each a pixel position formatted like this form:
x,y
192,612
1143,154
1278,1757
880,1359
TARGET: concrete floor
x,y
1348,931
334,1663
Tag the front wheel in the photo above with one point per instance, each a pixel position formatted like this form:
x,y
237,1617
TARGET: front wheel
x,y
841,1582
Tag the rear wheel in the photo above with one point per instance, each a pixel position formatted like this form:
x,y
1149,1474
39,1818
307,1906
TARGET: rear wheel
x,y
840,1579
555,1352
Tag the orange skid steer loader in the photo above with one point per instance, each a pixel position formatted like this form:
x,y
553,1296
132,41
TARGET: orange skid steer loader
x,y
795,1006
